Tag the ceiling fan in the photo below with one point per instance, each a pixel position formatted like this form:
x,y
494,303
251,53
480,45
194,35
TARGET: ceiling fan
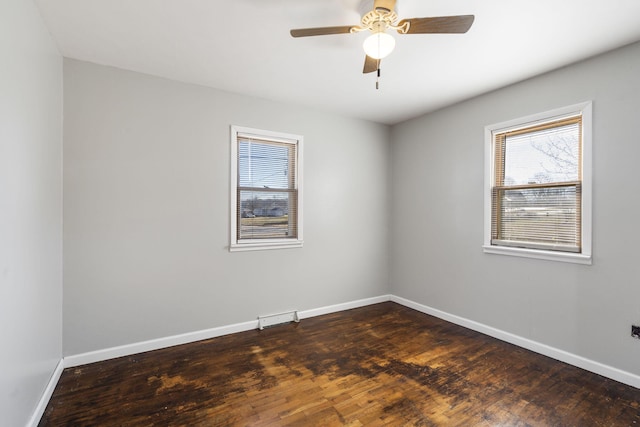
x,y
382,18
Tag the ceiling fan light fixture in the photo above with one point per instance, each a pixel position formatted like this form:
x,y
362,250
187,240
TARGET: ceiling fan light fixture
x,y
379,45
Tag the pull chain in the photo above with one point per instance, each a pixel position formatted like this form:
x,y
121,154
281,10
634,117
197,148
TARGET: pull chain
x,y
378,77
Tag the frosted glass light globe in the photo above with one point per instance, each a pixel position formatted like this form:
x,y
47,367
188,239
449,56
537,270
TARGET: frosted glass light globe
x,y
379,45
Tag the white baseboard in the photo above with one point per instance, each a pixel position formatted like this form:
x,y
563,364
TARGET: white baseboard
x,y
46,395
561,355
343,306
156,344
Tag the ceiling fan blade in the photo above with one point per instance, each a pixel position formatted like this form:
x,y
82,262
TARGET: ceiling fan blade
x,y
439,25
370,64
321,31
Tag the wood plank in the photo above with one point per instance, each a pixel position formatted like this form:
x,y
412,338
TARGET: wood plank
x,y
383,364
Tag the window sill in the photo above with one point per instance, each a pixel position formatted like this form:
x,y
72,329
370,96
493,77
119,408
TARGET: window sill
x,y
264,245
539,254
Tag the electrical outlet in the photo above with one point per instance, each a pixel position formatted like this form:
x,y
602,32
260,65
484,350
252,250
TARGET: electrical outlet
x,y
635,331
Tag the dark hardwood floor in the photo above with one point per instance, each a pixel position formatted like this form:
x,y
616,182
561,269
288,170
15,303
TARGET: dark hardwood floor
x,y
379,365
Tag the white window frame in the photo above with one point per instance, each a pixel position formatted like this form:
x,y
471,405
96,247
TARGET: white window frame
x,y
585,256
263,244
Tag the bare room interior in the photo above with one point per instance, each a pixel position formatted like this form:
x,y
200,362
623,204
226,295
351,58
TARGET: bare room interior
x,y
409,262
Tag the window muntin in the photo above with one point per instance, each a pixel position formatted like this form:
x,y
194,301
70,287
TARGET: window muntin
x,y
266,190
538,183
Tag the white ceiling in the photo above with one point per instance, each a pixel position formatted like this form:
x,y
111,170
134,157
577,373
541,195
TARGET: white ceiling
x,y
244,46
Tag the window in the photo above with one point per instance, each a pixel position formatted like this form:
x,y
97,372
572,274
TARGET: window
x,y
538,186
266,190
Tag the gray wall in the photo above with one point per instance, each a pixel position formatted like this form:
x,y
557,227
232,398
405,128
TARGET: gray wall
x,y
146,213
437,198
146,210
30,210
